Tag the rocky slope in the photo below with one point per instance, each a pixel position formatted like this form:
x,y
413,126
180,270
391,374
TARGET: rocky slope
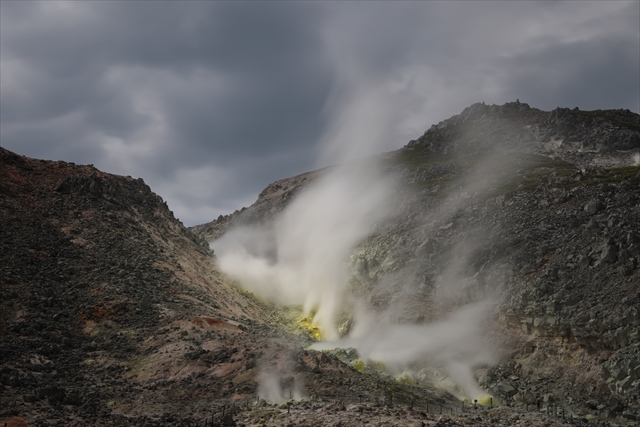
x,y
105,298
112,313
583,139
539,210
270,201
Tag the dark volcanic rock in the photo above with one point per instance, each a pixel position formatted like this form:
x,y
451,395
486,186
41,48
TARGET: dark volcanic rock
x,y
91,266
552,235
113,313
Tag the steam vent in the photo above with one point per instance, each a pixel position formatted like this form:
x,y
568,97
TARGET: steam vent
x,y
485,274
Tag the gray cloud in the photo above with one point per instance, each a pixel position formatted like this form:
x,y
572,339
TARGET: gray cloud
x,y
210,101
600,74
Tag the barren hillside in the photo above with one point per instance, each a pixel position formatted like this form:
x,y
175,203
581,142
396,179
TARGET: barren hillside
x,y
113,313
540,211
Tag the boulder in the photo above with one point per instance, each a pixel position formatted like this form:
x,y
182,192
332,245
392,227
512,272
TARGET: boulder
x,y
506,388
593,207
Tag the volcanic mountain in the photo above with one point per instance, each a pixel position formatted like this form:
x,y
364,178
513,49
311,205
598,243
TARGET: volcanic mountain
x,y
540,210
114,313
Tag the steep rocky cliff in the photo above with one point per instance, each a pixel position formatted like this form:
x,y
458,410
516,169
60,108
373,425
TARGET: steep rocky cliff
x,y
540,211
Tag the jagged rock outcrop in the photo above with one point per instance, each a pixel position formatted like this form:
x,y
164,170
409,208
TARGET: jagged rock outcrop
x,y
516,126
272,200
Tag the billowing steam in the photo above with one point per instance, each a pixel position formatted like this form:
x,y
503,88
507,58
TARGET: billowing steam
x,y
302,260
302,257
274,389
636,159
456,343
304,263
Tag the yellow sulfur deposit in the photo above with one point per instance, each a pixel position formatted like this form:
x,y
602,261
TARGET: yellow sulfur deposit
x,y
484,400
405,378
293,320
358,364
487,400
377,365
313,330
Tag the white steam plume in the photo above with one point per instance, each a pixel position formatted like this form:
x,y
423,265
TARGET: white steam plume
x,y
311,242
457,342
301,258
272,389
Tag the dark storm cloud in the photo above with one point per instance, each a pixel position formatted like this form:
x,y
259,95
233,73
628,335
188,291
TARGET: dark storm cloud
x,y
261,114
261,57
211,101
155,89
600,74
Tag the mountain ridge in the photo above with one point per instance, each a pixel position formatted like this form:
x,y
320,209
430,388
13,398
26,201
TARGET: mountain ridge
x,y
547,130
114,313
540,209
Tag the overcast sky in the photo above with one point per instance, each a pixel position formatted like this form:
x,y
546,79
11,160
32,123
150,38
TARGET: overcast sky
x,y
209,102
